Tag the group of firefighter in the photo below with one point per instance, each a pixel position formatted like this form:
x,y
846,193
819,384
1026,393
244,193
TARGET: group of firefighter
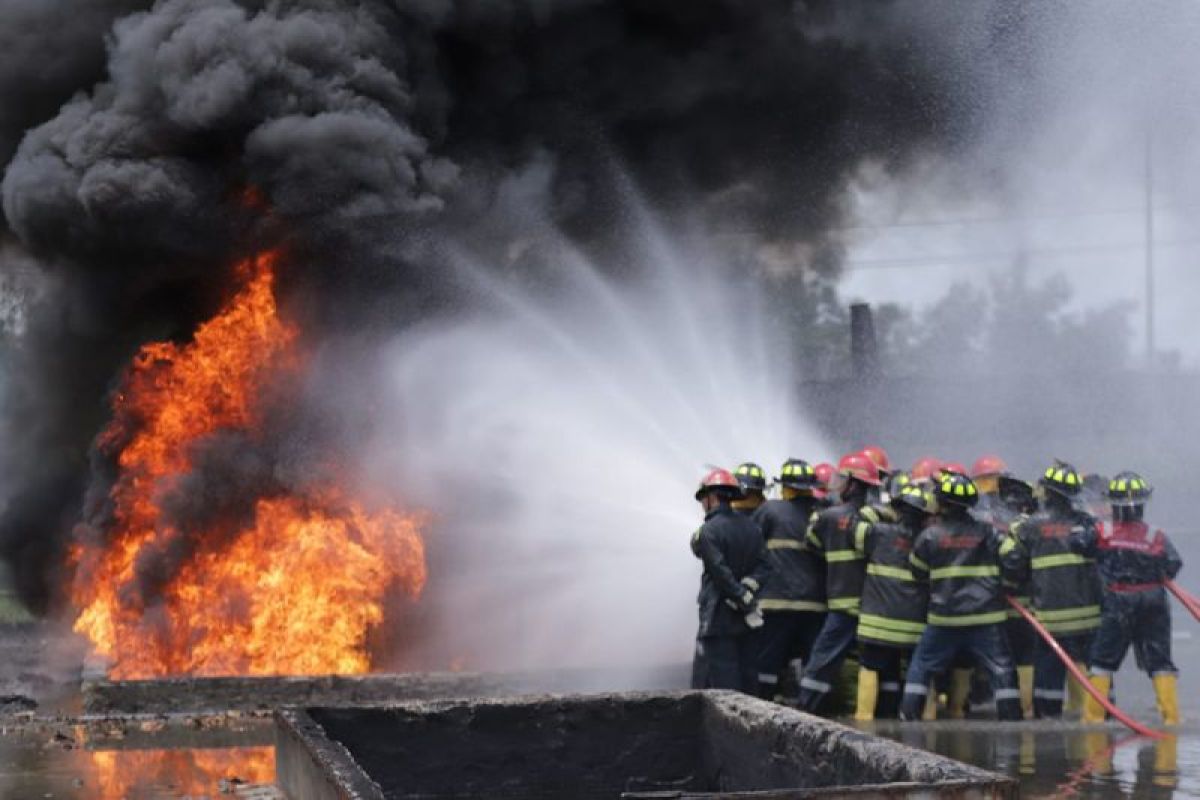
x,y
918,573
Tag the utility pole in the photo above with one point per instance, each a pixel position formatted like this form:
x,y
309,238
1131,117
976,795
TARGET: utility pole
x,y
1149,252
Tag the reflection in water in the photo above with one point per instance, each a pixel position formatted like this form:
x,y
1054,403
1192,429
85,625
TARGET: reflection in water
x,y
122,774
1069,762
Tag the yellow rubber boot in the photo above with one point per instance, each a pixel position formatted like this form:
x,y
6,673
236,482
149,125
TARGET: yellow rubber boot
x,y
1093,713
960,690
868,694
1025,686
931,703
1166,690
1075,693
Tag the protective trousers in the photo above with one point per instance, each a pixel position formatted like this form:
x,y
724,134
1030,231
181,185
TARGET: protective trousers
x,y
936,652
888,663
785,635
1050,674
1142,619
725,662
837,636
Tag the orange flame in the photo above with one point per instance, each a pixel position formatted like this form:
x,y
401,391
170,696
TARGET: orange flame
x,y
298,589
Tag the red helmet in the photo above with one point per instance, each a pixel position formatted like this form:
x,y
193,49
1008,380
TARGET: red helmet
x,y
825,473
718,479
988,465
923,469
878,456
955,467
859,467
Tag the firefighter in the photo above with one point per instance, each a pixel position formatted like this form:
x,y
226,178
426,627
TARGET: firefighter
x,y
735,566
1065,588
753,480
1002,499
831,537
894,605
793,598
963,560
1134,562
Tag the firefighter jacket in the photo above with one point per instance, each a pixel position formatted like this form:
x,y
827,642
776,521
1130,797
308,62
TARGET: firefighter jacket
x,y
831,538
965,562
1065,586
894,603
734,557
797,578
1130,557
1002,517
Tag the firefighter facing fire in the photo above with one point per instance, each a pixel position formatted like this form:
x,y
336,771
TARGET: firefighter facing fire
x,y
735,568
831,537
1134,562
1065,586
793,597
963,560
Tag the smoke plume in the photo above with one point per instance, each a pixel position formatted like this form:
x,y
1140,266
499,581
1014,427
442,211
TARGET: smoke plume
x,y
372,141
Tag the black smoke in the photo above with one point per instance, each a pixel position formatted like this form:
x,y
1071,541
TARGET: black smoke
x,y
362,137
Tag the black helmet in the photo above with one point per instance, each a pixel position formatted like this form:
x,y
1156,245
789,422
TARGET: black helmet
x,y
751,477
797,473
954,488
898,481
1128,489
1017,494
915,497
1062,478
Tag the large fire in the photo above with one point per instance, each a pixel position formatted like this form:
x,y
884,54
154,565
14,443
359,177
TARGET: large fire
x,y
297,588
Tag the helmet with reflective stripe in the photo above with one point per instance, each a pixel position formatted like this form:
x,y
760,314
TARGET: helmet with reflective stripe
x,y
860,468
1062,478
988,465
751,477
956,488
924,469
915,496
878,456
1128,489
720,481
798,474
954,467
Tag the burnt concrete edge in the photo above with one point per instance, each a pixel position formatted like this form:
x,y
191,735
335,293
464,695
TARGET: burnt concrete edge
x,y
309,765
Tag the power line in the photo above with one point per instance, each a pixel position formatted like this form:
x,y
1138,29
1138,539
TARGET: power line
x,y
949,259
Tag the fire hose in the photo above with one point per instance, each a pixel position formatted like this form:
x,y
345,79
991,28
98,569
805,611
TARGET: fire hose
x,y
1080,678
1189,602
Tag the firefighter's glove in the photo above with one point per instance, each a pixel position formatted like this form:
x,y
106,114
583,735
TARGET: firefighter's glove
x,y
754,619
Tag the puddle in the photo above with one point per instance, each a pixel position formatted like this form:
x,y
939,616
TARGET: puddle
x,y
139,760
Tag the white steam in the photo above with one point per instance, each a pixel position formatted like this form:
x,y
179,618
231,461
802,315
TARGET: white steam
x,y
558,437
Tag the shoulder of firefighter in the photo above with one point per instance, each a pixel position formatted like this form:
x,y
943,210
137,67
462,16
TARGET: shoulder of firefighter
x,y
1132,556
963,562
735,567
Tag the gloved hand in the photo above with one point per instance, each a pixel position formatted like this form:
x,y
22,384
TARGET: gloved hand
x,y
754,619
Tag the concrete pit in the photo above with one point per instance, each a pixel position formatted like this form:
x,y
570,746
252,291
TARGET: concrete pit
x,y
635,746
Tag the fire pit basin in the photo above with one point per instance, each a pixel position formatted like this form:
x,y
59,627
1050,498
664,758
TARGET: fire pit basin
x,y
675,745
